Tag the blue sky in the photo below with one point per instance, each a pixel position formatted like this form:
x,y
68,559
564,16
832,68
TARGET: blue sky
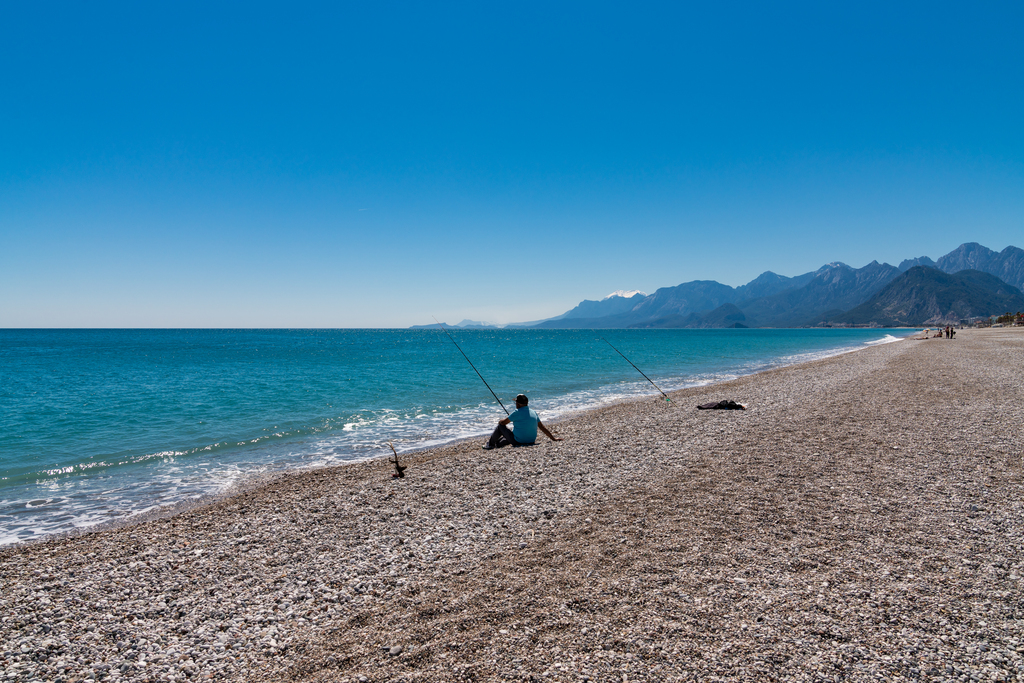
x,y
377,164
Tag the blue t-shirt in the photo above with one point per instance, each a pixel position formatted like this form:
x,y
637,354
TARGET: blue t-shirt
x,y
525,424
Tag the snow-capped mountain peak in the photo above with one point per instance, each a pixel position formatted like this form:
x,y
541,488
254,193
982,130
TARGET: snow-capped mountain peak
x,y
626,294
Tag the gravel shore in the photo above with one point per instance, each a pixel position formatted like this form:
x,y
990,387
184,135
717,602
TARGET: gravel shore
x,y
863,520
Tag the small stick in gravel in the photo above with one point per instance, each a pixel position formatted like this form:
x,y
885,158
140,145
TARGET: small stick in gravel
x,y
399,469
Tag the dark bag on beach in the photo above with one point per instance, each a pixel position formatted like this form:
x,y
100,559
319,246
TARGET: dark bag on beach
x,y
721,405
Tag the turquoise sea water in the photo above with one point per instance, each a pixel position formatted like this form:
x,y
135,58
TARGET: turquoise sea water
x,y
99,424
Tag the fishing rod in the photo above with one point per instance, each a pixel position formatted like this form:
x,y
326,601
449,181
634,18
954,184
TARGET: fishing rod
x,y
637,369
473,366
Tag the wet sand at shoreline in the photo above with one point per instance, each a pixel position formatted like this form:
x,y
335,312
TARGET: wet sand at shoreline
x,y
862,520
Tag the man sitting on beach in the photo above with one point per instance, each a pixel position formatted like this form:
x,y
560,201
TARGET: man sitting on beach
x,y
526,422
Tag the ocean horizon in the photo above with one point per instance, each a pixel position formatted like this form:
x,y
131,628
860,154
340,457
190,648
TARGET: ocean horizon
x,y
99,425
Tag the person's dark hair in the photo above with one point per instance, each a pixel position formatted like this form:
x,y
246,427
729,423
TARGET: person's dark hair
x,y
521,398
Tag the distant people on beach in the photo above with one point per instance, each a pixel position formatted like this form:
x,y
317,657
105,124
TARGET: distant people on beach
x,y
525,423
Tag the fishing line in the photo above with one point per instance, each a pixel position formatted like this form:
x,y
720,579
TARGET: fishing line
x,y
637,369
477,371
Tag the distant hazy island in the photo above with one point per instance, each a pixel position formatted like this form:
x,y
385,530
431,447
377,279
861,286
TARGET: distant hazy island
x,y
970,282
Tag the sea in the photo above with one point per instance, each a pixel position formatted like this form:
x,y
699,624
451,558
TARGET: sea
x,y
99,425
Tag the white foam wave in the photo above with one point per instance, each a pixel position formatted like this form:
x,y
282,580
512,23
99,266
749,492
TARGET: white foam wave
x,y
887,339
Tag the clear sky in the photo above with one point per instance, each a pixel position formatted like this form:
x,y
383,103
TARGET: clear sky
x,y
376,164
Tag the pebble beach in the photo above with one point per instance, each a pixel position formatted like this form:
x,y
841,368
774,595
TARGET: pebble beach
x,y
862,520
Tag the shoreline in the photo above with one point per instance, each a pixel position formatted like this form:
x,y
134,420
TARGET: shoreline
x,y
248,482
795,540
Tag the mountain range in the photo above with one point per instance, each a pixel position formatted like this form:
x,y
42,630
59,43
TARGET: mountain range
x,y
928,296
970,281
